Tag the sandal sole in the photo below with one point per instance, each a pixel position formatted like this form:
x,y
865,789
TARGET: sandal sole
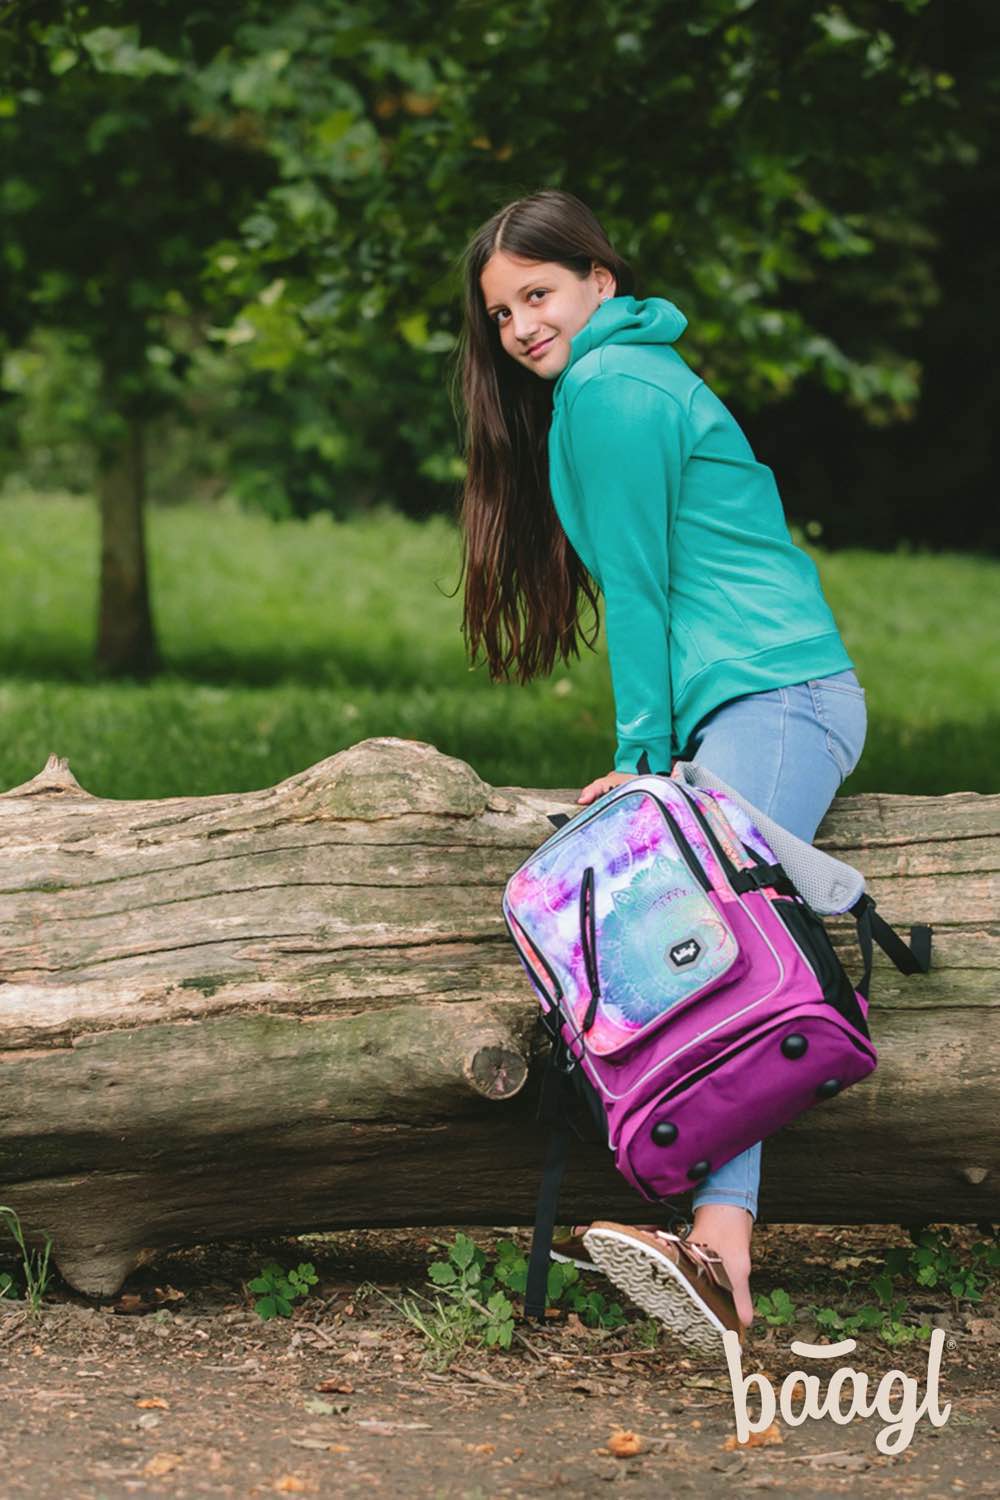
x,y
657,1286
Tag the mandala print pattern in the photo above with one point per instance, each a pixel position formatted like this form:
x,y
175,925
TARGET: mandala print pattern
x,y
656,930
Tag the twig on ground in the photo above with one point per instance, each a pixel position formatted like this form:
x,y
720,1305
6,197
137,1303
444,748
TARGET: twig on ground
x,y
481,1378
315,1328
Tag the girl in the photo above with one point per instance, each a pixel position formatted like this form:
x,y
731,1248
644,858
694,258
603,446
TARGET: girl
x,y
597,458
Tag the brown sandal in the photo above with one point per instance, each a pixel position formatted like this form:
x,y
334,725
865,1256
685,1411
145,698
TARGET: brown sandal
x,y
682,1282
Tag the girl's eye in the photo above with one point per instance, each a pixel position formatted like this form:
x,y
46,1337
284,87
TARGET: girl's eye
x,y
540,290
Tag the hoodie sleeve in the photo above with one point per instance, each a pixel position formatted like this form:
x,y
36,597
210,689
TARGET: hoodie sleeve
x,y
627,439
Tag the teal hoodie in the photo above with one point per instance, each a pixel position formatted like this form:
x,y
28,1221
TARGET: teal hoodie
x,y
706,596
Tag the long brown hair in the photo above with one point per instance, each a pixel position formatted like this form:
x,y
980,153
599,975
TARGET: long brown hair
x,y
523,578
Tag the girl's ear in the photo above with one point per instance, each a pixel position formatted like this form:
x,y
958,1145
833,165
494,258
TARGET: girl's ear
x,y
609,289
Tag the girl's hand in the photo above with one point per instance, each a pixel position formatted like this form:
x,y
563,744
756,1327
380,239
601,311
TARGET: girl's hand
x,y
604,784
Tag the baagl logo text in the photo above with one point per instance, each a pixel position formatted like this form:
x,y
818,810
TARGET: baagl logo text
x,y
900,1413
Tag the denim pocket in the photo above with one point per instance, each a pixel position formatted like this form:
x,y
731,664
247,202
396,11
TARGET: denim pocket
x,y
839,704
840,682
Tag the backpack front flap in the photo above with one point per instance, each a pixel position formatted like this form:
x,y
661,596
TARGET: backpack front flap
x,y
628,890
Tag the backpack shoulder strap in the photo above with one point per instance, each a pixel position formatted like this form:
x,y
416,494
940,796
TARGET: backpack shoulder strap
x,y
829,885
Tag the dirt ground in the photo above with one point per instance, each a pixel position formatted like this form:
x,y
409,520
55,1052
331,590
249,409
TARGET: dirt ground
x,y
180,1389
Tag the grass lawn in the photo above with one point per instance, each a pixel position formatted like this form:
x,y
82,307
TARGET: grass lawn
x,y
285,642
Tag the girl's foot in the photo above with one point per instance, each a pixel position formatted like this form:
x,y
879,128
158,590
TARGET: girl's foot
x,y
727,1228
681,1282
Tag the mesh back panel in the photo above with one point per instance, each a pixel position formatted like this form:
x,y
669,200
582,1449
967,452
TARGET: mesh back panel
x,y
829,885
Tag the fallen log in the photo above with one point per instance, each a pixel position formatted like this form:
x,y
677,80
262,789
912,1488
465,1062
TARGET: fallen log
x,y
298,1009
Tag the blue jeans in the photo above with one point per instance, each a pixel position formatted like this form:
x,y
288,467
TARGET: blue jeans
x,y
786,751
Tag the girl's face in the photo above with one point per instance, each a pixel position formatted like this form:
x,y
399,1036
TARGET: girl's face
x,y
539,305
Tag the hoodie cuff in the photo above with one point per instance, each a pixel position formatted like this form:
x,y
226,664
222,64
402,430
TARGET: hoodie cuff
x,y
627,756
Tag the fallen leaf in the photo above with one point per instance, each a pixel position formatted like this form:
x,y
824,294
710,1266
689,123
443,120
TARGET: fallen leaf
x,y
480,1447
764,1439
161,1463
342,1387
157,1401
624,1443
319,1408
291,1484
131,1303
709,1382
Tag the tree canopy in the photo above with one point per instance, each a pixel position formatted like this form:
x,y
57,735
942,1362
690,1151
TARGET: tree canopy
x,y
258,209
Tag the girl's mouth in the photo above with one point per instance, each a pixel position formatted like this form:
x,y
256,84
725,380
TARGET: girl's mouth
x,y
540,348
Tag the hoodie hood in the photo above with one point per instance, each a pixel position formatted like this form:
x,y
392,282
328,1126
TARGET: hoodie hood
x,y
624,320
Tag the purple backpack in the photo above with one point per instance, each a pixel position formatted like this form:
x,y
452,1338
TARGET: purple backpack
x,y
691,993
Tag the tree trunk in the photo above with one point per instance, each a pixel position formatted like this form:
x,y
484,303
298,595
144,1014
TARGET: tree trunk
x,y
298,1008
125,640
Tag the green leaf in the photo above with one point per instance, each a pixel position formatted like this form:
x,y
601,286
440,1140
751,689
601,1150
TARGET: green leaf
x,y
441,1273
499,1305
882,1287
115,49
267,1307
463,1251
838,28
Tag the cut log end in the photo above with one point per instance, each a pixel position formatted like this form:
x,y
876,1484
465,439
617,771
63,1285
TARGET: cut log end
x,y
98,1271
496,1072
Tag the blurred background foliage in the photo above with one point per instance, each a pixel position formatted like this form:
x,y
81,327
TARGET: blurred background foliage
x,y
237,224
229,311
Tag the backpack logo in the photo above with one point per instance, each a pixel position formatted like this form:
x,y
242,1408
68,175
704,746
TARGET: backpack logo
x,y
682,954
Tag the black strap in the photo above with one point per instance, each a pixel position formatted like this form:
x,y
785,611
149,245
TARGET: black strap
x,y
914,958
761,876
536,1292
552,1111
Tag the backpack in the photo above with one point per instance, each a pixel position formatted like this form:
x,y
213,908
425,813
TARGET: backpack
x,y
691,994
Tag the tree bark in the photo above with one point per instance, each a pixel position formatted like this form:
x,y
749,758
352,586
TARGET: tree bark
x,y
126,643
299,1009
